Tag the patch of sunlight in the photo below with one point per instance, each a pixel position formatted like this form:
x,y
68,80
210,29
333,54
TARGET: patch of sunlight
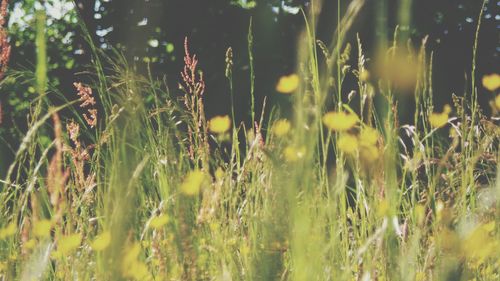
x,y
56,9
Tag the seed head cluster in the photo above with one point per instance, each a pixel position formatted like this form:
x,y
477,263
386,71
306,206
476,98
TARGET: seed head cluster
x,y
88,100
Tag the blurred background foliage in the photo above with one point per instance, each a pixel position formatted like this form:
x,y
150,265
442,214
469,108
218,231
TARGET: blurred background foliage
x,y
150,35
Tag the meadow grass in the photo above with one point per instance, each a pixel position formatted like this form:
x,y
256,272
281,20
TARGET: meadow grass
x,y
137,190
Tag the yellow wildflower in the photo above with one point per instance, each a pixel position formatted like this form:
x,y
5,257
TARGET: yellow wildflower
x,y
440,209
9,230
480,245
340,121
132,267
159,221
449,240
288,84
61,274
30,244
497,102
192,183
420,276
293,154
42,228
438,120
400,68
368,136
55,255
13,257
281,127
347,143
244,249
420,214
69,243
492,81
219,174
101,241
138,271
364,75
219,124
131,254
369,153
383,208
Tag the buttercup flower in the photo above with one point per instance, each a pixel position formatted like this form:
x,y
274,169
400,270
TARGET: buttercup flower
x,y
7,231
288,84
101,241
368,136
347,143
42,228
340,121
281,127
292,153
438,120
69,243
219,124
491,82
159,221
192,183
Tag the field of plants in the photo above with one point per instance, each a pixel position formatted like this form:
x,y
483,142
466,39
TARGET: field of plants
x,y
128,178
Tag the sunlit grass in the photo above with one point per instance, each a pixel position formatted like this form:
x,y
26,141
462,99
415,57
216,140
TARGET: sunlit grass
x,y
340,191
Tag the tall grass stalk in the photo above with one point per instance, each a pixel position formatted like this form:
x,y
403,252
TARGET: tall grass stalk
x,y
152,191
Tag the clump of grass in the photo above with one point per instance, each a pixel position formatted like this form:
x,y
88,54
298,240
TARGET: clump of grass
x,y
341,191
